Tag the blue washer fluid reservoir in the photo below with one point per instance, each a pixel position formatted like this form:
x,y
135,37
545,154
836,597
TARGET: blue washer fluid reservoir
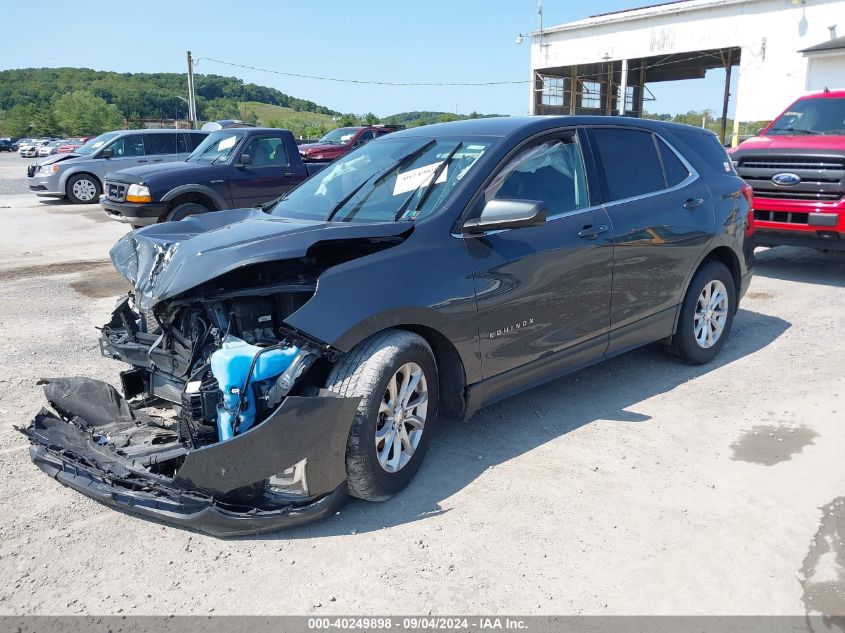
x,y
230,366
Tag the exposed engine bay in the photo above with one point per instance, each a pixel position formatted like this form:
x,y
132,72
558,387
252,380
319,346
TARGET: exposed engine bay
x,y
223,358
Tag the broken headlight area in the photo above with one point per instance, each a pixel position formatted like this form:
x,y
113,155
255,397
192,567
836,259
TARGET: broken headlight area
x,y
222,424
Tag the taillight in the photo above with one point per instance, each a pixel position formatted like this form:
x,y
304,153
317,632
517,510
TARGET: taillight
x,y
748,192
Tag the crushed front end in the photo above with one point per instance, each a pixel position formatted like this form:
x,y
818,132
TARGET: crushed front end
x,y
220,424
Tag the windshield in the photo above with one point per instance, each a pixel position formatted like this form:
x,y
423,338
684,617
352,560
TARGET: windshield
x,y
812,116
386,180
340,136
217,147
95,143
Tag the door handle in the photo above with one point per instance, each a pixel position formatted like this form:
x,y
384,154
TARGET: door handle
x,y
157,160
143,160
288,174
693,203
590,232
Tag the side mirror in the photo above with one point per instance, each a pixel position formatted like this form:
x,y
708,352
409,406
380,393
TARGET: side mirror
x,y
507,214
107,153
246,159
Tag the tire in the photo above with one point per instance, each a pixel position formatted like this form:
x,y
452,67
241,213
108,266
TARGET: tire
x,y
699,315
367,372
182,211
83,189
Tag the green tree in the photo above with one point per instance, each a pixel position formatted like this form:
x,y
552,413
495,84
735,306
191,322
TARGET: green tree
x,y
81,113
19,120
371,119
44,123
348,120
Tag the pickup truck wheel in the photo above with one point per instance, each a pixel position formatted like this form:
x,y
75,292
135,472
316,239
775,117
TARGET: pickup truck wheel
x,y
707,314
83,189
395,375
182,211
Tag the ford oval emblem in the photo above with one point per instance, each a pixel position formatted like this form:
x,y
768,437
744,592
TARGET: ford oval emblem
x,y
786,179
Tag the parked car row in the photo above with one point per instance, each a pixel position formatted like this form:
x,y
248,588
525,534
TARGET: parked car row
x,y
38,148
143,177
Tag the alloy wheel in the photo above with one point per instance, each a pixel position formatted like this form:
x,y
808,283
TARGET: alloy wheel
x,y
401,417
711,314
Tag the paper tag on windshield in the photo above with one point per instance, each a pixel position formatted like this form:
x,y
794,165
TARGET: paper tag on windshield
x,y
410,180
226,143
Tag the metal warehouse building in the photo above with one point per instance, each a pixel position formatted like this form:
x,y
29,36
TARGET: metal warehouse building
x,y
779,48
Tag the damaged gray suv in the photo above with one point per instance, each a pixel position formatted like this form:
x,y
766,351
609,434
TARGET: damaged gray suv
x,y
281,359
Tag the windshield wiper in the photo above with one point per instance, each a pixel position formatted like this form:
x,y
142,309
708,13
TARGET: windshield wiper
x,y
797,130
429,186
382,175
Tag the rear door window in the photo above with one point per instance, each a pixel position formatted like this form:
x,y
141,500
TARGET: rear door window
x,y
552,172
631,164
676,171
160,143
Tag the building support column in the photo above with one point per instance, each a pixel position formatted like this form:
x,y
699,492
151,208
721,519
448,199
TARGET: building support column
x,y
573,90
608,103
623,88
727,96
641,91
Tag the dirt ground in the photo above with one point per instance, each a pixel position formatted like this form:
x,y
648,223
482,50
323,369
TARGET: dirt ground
x,y
638,486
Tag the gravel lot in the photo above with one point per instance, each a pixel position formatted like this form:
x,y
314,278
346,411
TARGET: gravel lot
x,y
638,486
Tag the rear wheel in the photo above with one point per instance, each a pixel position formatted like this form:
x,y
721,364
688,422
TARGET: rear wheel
x,y
395,375
83,189
182,211
707,314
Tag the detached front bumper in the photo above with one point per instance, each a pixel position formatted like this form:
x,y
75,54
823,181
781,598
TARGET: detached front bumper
x,y
218,489
184,509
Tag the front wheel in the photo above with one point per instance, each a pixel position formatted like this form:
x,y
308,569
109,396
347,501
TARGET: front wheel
x,y
395,375
707,314
83,189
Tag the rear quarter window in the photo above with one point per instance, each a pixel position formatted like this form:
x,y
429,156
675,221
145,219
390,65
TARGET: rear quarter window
x,y
708,150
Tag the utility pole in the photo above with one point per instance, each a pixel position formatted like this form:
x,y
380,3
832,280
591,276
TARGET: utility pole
x,y
192,100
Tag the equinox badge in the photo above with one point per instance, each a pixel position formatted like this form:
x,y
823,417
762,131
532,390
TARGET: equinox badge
x,y
511,328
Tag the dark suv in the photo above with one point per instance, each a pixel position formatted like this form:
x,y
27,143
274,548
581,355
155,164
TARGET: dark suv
x,y
309,352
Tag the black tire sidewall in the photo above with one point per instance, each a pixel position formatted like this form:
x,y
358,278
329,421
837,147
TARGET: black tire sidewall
x,y
687,348
362,452
182,211
74,179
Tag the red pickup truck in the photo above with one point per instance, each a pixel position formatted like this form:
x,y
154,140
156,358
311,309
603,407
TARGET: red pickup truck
x,y
342,141
796,167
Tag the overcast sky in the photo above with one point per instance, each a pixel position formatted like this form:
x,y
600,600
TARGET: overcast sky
x,y
436,40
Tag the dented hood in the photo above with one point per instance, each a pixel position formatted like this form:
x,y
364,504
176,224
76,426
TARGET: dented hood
x,y
164,260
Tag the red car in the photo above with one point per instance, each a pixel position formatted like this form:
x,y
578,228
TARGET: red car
x,y
71,146
342,141
796,167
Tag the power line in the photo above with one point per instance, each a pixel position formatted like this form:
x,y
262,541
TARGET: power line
x,y
365,81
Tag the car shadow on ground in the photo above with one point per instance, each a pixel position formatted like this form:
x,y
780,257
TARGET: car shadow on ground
x,y
529,420
804,265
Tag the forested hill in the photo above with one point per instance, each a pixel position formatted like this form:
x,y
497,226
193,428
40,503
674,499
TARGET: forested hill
x,y
142,95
